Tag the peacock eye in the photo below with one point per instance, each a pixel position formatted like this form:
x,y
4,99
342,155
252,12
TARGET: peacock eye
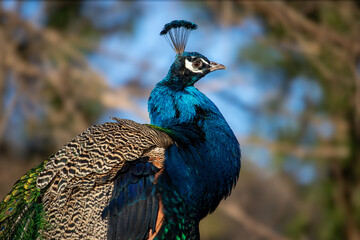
x,y
197,63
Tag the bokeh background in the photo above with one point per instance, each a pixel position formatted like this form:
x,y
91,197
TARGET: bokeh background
x,y
291,94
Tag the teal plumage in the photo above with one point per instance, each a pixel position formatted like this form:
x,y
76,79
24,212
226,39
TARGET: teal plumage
x,y
178,24
124,180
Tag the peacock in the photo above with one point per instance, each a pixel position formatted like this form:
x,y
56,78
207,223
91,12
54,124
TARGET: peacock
x,y
126,180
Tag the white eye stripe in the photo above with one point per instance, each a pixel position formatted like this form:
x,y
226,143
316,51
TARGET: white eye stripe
x,y
189,66
203,60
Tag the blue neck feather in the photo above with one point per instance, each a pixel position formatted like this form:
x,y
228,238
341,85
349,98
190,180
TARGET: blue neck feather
x,y
194,118
204,165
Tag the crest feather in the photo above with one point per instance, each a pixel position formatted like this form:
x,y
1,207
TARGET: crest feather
x,y
177,33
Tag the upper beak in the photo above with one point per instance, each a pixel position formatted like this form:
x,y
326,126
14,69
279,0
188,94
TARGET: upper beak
x,y
216,66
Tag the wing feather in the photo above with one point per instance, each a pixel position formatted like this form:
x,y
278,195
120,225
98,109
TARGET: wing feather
x,y
109,165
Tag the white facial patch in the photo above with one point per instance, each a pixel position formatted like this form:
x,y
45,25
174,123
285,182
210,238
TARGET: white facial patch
x,y
204,61
189,66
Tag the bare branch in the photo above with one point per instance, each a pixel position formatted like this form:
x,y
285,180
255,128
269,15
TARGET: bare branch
x,y
238,214
293,20
319,152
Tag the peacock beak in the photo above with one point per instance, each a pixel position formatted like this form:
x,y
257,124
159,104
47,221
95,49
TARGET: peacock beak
x,y
216,66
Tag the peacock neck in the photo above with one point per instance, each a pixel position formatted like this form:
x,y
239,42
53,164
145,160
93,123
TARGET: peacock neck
x,y
171,104
204,165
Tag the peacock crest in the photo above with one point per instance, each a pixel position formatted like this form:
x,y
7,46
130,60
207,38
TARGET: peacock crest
x,y
177,33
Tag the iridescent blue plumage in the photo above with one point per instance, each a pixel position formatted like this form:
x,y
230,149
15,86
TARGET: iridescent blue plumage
x,y
204,164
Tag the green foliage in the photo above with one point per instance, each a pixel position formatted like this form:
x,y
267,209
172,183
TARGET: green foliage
x,y
292,48
274,58
268,58
332,17
297,226
63,14
332,219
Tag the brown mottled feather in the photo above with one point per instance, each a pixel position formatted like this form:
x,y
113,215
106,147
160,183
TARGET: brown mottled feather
x,y
78,178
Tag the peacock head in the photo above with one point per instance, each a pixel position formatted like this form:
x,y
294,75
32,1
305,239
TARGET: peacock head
x,y
188,67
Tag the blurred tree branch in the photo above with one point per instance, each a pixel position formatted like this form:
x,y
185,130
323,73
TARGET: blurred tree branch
x,y
238,214
317,152
43,63
296,23
325,34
